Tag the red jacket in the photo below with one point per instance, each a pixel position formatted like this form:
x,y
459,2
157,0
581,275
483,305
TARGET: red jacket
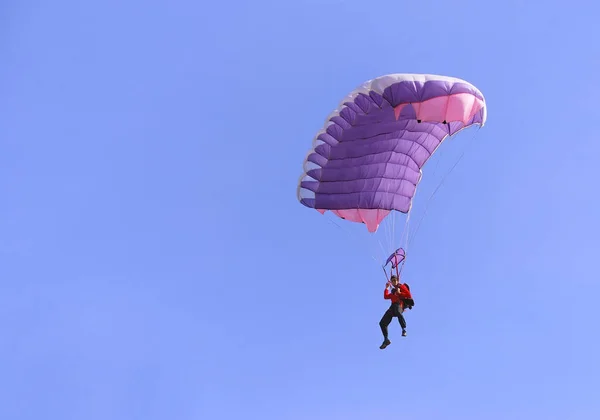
x,y
402,292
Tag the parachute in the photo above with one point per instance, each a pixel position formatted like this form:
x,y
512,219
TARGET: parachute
x,y
396,258
367,160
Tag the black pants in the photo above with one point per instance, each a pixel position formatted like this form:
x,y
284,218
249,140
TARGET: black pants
x,y
393,311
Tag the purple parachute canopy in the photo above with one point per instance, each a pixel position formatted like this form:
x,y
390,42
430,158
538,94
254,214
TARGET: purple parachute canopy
x,y
396,258
367,159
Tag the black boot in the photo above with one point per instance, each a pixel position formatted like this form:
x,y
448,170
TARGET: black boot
x,y
385,343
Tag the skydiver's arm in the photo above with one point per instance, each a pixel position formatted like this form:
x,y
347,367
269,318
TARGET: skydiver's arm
x,y
405,294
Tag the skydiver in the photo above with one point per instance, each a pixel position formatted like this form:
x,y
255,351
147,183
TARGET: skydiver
x,y
399,292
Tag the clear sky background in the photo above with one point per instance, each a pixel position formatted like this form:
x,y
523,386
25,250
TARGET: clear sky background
x,y
156,264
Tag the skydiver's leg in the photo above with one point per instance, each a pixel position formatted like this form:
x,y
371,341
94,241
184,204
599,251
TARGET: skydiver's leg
x,y
385,321
383,324
398,312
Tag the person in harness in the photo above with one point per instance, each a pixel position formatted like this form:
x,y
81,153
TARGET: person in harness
x,y
401,298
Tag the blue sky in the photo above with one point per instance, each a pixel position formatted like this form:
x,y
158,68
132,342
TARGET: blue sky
x,y
154,260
